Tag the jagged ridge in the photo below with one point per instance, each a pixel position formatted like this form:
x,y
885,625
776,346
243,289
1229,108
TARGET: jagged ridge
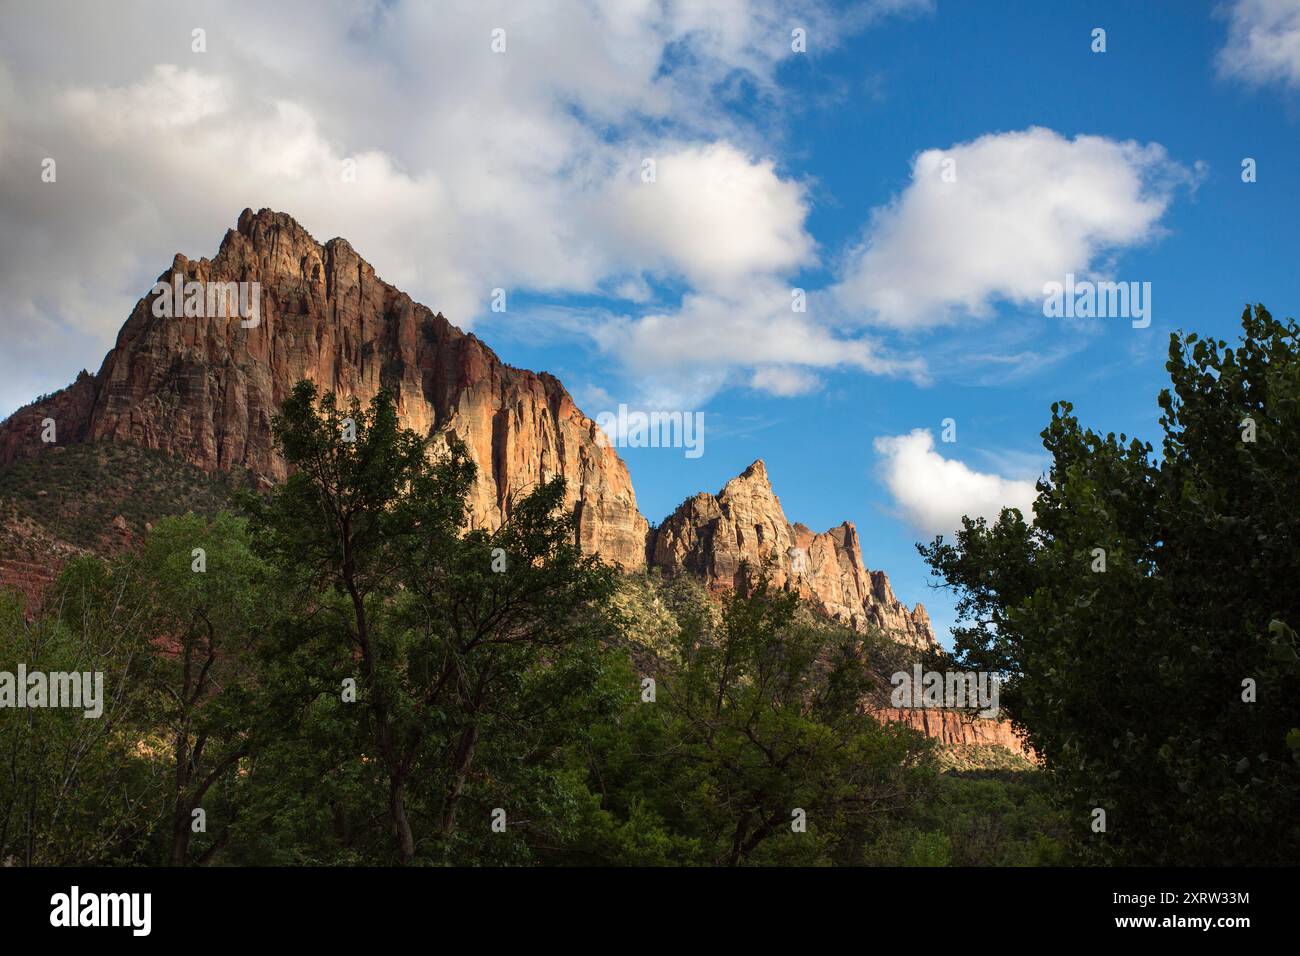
x,y
717,536
204,390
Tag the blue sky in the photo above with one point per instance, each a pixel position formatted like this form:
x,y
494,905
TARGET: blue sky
x,y
935,80
820,170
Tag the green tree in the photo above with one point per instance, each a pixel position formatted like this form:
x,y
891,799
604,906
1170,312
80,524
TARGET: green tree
x,y
173,632
506,625
457,635
1144,620
337,525
204,597
75,789
757,748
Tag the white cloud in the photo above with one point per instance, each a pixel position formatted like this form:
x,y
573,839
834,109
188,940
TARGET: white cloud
x,y
1023,209
474,169
784,381
1263,42
749,327
934,493
711,214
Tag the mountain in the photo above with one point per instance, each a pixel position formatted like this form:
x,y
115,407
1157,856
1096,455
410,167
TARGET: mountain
x,y
181,410
716,537
203,390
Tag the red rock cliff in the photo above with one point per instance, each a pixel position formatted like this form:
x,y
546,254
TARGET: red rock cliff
x,y
955,729
711,535
204,389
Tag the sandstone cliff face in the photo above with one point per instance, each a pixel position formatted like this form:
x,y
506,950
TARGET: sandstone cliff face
x,y
955,729
711,535
204,388
70,409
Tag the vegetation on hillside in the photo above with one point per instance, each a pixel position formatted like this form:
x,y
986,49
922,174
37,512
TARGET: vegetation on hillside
x,y
74,492
343,677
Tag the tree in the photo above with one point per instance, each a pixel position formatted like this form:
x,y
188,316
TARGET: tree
x,y
456,634
73,788
499,622
757,747
1145,619
173,636
203,597
336,525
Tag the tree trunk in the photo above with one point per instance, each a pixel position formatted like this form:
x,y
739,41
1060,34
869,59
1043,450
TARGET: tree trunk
x,y
464,759
401,823
180,835
738,840
397,782
180,806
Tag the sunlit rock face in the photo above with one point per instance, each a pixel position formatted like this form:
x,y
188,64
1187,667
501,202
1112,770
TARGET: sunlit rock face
x,y
204,388
717,537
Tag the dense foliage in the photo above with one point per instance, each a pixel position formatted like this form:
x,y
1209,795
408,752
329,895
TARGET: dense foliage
x,y
1145,619
345,675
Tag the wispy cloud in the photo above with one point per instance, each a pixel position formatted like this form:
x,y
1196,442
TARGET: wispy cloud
x,y
1263,44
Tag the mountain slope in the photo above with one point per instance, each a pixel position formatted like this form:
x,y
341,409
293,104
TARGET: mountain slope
x,y
203,389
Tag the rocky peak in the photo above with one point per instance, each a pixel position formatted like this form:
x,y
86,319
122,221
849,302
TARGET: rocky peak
x,y
717,536
205,388
754,476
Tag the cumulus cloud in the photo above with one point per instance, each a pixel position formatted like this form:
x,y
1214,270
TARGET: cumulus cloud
x,y
474,169
747,327
996,218
711,214
933,493
1263,42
